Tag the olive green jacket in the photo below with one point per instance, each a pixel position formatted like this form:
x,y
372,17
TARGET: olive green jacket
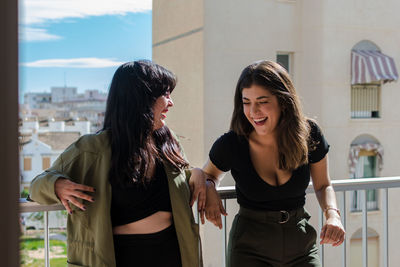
x,y
89,233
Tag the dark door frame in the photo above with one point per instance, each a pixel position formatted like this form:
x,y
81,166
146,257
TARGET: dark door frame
x,y
9,165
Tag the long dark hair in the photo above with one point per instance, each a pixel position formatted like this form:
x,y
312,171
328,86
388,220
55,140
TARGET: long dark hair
x,y
292,129
129,122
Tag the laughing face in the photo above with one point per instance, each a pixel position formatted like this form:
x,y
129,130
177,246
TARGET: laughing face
x,y
160,109
261,108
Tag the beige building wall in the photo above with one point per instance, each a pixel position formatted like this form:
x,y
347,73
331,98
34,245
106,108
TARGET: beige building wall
x,y
178,45
208,43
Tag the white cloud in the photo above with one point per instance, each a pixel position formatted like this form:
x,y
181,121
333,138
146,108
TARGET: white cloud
x,y
88,62
39,11
30,34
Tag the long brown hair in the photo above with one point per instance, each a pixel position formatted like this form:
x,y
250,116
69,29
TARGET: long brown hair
x,y
129,121
292,129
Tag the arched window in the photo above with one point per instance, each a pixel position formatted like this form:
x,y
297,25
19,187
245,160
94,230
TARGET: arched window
x,y
356,248
369,69
365,161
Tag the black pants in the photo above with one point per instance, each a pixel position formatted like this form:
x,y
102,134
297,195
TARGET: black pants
x,y
272,239
148,250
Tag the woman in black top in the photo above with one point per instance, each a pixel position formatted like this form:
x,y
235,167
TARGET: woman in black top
x,y
271,151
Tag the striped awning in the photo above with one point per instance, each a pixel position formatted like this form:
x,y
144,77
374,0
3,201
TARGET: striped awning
x,y
372,66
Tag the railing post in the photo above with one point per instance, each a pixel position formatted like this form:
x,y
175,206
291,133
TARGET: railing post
x,y
197,220
343,212
385,204
321,247
224,236
46,239
364,229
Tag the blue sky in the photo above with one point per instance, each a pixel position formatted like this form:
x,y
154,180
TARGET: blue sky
x,y
81,42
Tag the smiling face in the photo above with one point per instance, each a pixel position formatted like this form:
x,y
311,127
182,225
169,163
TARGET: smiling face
x,y
261,108
160,109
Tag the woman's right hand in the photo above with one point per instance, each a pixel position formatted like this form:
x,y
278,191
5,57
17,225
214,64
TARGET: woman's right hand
x,y
214,207
69,192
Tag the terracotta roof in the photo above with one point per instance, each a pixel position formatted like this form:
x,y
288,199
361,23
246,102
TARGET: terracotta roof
x,y
43,124
57,119
81,119
72,121
59,140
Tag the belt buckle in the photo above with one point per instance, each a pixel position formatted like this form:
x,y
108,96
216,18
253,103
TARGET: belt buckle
x,y
284,217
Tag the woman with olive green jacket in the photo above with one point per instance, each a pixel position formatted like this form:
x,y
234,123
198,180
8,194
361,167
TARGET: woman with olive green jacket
x,y
90,237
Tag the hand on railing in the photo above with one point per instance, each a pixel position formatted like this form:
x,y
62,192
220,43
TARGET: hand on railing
x,y
69,192
197,184
214,207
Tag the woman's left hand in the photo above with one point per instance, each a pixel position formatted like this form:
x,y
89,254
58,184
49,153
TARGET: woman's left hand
x,y
197,184
332,232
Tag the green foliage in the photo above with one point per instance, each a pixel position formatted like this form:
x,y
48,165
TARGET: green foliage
x,y
56,262
33,243
24,193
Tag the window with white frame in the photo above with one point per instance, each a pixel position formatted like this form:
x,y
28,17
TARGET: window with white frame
x,y
365,100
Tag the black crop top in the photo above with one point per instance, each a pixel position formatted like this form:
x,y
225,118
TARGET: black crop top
x,y
231,152
135,202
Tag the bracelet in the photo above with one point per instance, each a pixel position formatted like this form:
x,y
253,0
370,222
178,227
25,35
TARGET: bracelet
x,y
211,180
332,208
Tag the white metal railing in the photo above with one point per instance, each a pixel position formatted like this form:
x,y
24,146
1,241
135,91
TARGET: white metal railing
x,y
228,192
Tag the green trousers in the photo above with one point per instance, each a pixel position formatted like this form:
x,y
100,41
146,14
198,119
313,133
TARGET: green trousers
x,y
272,238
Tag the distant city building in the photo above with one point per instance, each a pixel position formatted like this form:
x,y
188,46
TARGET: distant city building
x,y
32,125
95,95
47,128
42,140
37,100
61,94
65,103
39,150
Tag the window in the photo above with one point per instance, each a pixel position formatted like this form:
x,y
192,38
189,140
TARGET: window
x,y
370,68
45,163
285,60
365,161
365,101
366,168
27,164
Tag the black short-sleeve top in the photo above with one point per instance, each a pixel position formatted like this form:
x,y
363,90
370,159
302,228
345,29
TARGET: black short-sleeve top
x,y
138,201
231,152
